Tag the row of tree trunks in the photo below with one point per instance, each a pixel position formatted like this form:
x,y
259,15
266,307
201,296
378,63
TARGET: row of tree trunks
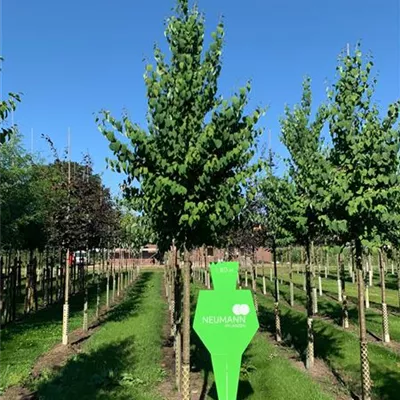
x,y
33,280
358,271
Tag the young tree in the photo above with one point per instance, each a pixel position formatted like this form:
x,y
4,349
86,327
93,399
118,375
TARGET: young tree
x,y
308,171
194,157
364,188
275,198
135,230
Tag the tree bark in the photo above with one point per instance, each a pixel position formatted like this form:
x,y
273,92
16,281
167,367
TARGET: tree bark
x,y
398,277
186,329
345,313
66,304
291,278
278,333
265,286
385,320
327,264
339,283
310,328
313,275
365,372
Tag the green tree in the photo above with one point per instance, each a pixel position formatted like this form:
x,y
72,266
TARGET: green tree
x,y
364,188
135,230
275,199
194,157
308,171
21,206
7,107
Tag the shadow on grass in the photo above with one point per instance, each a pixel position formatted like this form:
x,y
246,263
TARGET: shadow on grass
x,y
390,383
89,376
49,315
294,332
53,314
244,391
95,374
201,361
329,342
129,306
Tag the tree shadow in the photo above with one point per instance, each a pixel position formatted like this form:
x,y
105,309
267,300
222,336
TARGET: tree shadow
x,y
387,382
90,376
244,390
294,333
134,296
49,315
95,374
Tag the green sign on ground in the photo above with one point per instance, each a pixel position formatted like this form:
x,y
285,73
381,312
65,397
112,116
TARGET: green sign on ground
x,y
225,321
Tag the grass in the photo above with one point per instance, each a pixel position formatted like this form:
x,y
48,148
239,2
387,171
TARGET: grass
x,y
332,309
330,285
23,342
266,372
122,360
340,349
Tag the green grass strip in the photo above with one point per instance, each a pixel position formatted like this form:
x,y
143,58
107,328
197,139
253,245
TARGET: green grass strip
x,y
23,342
340,349
121,360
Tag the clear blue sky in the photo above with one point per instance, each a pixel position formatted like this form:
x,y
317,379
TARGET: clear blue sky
x,y
73,58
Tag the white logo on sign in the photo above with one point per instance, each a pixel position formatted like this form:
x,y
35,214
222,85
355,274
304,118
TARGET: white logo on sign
x,y
240,309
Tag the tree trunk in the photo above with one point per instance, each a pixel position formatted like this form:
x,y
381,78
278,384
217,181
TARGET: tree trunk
x,y
327,264
66,304
398,277
314,289
254,280
265,286
278,333
339,283
186,329
98,295
310,328
345,313
371,266
319,271
85,310
291,278
365,372
385,320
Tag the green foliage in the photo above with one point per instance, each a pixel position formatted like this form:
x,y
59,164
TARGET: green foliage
x,y
194,158
20,206
275,199
363,200
6,108
308,168
135,229
34,202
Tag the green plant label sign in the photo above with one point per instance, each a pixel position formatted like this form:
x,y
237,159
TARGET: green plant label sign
x,y
226,321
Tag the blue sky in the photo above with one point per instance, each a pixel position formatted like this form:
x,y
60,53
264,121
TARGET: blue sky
x,y
73,58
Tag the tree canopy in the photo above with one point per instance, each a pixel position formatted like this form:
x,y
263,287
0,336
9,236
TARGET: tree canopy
x,y
193,159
